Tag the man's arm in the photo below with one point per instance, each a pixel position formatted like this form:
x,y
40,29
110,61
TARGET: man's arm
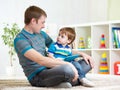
x,y
42,60
86,57
51,55
22,46
48,62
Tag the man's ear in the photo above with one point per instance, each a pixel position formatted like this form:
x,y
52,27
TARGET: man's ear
x,y
33,21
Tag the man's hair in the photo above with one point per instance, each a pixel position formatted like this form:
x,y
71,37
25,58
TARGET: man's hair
x,y
70,32
33,12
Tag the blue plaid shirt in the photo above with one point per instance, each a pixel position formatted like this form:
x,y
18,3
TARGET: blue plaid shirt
x,y
60,51
25,41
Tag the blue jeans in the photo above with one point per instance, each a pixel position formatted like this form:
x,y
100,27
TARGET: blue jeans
x,y
79,65
54,76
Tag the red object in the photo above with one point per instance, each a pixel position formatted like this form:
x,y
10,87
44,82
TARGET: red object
x,y
102,36
102,42
117,68
102,46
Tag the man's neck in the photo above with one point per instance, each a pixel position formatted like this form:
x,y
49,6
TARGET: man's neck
x,y
28,29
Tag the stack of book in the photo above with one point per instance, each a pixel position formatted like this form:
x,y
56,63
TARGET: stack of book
x,y
116,37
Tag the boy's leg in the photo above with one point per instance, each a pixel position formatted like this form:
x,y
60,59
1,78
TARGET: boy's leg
x,y
85,67
79,69
54,76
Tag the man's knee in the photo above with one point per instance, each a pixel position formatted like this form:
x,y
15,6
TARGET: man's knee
x,y
68,72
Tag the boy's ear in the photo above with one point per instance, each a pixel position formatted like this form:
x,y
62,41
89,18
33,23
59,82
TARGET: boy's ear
x,y
68,41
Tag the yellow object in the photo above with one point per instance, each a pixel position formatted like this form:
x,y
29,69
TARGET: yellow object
x,y
104,55
103,68
81,43
102,42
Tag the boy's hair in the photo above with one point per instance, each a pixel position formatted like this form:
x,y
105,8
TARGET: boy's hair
x,y
70,32
33,12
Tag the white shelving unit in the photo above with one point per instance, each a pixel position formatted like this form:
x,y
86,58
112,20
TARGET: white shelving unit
x,y
95,30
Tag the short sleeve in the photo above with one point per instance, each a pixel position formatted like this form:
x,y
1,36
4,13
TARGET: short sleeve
x,y
21,45
70,54
48,40
51,49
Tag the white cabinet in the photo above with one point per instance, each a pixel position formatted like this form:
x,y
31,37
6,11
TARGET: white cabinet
x,y
95,30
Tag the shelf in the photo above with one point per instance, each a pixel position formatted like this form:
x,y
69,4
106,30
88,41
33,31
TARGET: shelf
x,y
115,25
97,56
83,49
94,31
115,56
97,32
93,49
101,49
116,49
85,33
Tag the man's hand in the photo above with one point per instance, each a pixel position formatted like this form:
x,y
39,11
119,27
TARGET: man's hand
x,y
75,72
88,59
59,59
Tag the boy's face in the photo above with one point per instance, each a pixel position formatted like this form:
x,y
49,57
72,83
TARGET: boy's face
x,y
38,25
63,39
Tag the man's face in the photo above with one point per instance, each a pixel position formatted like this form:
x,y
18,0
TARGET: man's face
x,y
38,25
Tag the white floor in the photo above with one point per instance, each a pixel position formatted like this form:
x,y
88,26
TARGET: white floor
x,y
103,82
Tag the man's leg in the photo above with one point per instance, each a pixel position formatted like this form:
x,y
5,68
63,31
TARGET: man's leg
x,y
54,76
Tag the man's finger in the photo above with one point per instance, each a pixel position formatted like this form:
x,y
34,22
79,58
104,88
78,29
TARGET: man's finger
x,y
91,63
86,60
75,78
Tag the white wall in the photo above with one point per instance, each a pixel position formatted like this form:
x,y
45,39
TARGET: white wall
x,y
60,12
98,10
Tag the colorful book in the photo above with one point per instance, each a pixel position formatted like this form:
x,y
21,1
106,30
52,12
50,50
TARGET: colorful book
x,y
116,37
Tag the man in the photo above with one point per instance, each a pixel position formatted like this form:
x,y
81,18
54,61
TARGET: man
x,y
30,45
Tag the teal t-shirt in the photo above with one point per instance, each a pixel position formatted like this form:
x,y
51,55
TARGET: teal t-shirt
x,y
25,41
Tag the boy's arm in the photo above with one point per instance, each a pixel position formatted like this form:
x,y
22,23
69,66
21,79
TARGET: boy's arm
x,y
51,51
51,55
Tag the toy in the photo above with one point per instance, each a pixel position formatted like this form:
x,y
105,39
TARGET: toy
x,y
81,43
103,69
117,68
102,42
89,42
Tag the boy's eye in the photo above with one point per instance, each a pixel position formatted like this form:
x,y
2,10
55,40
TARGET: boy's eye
x,y
62,36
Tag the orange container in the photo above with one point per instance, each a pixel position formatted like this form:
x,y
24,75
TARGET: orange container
x,y
117,68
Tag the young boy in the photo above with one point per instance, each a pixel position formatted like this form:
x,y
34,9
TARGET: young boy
x,y
62,51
